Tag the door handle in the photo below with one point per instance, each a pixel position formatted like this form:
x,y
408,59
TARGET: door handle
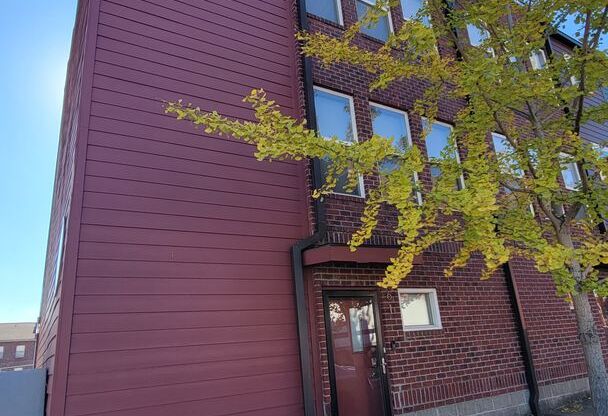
x,y
383,366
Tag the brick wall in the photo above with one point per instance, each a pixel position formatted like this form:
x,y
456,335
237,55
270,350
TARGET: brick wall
x,y
8,361
438,367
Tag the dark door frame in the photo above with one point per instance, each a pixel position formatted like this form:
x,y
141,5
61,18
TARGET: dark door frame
x,y
353,293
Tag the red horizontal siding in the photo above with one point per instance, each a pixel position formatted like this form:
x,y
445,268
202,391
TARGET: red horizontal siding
x,y
183,300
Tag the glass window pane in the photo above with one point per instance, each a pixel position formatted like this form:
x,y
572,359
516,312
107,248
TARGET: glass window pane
x,y
502,147
437,140
477,35
20,351
390,124
334,118
570,175
327,9
381,29
415,309
410,9
1,352
538,59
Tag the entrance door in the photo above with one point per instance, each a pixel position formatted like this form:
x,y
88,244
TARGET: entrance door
x,y
357,368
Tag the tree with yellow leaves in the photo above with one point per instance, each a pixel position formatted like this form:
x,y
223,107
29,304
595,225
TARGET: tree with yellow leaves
x,y
514,204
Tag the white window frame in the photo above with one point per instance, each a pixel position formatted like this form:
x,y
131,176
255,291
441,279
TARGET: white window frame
x,y
388,15
409,139
433,309
425,120
17,353
353,120
576,171
532,60
338,4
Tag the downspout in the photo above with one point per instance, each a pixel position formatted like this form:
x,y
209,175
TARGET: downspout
x,y
524,341
302,245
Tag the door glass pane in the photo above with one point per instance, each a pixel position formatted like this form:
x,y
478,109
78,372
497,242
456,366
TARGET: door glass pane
x,y
356,360
327,9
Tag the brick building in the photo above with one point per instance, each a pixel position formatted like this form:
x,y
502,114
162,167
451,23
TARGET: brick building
x,y
17,346
184,277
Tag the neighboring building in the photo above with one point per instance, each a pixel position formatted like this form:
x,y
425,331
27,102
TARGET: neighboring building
x,y
17,346
176,280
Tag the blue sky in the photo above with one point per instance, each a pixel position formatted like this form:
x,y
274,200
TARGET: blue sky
x,y
34,47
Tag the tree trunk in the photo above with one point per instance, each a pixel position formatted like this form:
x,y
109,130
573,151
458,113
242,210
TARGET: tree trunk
x,y
592,349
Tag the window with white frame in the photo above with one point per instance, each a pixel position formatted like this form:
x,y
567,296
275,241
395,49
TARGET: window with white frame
x,y
1,352
419,309
570,174
437,141
336,119
327,9
394,124
20,351
411,8
538,59
378,30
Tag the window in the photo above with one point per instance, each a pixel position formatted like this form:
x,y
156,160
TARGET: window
x,y
1,352
570,174
20,351
573,79
436,142
504,150
379,30
538,59
411,8
477,35
391,123
336,118
419,309
327,9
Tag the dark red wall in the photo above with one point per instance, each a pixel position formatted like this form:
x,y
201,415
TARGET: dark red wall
x,y
182,292
53,338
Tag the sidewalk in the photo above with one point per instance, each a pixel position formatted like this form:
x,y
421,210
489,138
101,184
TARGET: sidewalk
x,y
582,407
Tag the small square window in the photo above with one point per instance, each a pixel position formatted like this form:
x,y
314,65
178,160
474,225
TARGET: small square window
x,y
419,309
336,118
379,30
327,9
538,59
20,351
